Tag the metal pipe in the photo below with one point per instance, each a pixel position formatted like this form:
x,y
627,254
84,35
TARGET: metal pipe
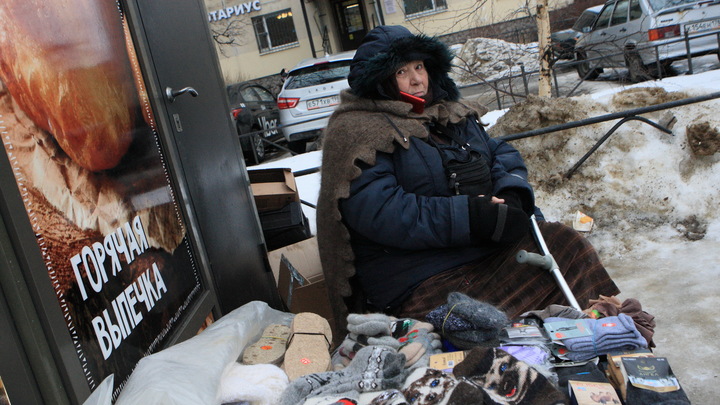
x,y
307,27
608,117
546,261
306,171
689,53
607,135
524,78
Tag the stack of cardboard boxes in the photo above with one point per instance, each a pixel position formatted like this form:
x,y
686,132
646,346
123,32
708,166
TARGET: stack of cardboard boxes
x,y
293,251
279,208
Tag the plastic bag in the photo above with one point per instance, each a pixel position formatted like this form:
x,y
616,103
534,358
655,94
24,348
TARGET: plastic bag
x,y
190,372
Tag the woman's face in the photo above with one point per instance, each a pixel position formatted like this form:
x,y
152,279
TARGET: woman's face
x,y
412,78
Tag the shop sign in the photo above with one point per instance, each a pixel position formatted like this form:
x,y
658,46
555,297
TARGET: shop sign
x,y
240,9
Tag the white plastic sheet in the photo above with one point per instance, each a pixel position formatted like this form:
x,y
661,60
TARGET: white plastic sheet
x,y
190,372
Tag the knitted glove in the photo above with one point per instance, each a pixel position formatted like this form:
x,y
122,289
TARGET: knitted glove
x,y
518,198
497,222
369,324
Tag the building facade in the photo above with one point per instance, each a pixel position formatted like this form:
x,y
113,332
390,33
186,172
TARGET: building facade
x,y
258,38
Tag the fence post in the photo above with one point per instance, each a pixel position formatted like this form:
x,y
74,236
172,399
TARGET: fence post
x,y
524,78
689,54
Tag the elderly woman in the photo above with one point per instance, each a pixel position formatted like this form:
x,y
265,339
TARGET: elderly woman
x,y
417,201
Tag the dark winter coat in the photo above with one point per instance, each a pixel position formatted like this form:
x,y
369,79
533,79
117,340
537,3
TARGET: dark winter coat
x,y
384,188
405,220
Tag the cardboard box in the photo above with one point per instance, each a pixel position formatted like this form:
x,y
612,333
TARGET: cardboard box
x,y
614,367
445,362
592,393
285,226
301,282
273,189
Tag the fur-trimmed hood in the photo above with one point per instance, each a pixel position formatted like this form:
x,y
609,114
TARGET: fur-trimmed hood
x,y
386,48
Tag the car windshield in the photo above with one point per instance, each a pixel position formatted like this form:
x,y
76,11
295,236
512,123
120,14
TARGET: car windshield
x,y
585,20
658,5
234,94
318,74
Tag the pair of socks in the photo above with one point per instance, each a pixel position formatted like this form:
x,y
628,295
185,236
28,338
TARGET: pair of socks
x,y
467,322
608,334
415,339
611,306
373,368
586,372
503,379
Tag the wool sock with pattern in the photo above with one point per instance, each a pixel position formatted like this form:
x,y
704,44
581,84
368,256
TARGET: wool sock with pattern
x,y
374,368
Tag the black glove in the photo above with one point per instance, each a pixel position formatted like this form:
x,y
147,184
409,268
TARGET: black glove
x,y
497,222
518,198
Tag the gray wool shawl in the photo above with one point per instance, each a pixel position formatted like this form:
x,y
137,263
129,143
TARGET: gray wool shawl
x,y
357,130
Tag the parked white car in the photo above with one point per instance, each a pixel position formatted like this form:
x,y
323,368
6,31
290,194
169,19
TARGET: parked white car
x,y
309,95
643,32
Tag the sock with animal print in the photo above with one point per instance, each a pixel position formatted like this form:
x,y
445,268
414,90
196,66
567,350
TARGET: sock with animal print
x,y
427,385
505,379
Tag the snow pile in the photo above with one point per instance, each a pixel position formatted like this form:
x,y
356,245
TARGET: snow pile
x,y
641,182
489,59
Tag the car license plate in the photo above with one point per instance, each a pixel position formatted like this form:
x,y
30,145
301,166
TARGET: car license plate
x,y
702,26
323,102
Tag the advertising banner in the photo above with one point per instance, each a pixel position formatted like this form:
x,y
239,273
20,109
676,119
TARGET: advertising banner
x,y
81,139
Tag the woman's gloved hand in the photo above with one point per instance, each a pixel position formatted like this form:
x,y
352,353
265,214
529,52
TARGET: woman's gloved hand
x,y
518,198
495,221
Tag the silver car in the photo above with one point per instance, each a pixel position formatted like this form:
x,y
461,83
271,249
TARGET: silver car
x,y
309,95
648,34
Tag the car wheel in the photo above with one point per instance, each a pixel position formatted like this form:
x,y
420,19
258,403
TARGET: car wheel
x,y
258,148
298,146
638,71
583,68
664,70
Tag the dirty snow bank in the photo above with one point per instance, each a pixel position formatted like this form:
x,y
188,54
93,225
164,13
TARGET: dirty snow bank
x,y
641,183
488,59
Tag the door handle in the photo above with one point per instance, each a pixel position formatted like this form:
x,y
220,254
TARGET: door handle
x,y
170,94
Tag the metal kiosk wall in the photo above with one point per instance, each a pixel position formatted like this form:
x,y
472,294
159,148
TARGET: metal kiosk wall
x,y
126,212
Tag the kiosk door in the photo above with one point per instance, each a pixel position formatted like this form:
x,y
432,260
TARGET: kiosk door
x,y
210,157
351,23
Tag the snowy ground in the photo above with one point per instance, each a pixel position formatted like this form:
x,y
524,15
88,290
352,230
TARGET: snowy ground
x,y
653,198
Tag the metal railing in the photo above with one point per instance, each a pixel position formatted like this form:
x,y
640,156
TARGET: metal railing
x,y
624,116
500,86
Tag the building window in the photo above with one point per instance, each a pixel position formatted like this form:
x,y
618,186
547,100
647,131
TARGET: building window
x,y
275,31
413,7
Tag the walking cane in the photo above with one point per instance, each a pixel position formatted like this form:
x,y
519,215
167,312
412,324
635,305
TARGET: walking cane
x,y
547,262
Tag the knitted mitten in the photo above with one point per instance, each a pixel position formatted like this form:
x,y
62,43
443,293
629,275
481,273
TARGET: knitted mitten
x,y
481,314
401,327
378,340
369,324
445,321
374,368
418,345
